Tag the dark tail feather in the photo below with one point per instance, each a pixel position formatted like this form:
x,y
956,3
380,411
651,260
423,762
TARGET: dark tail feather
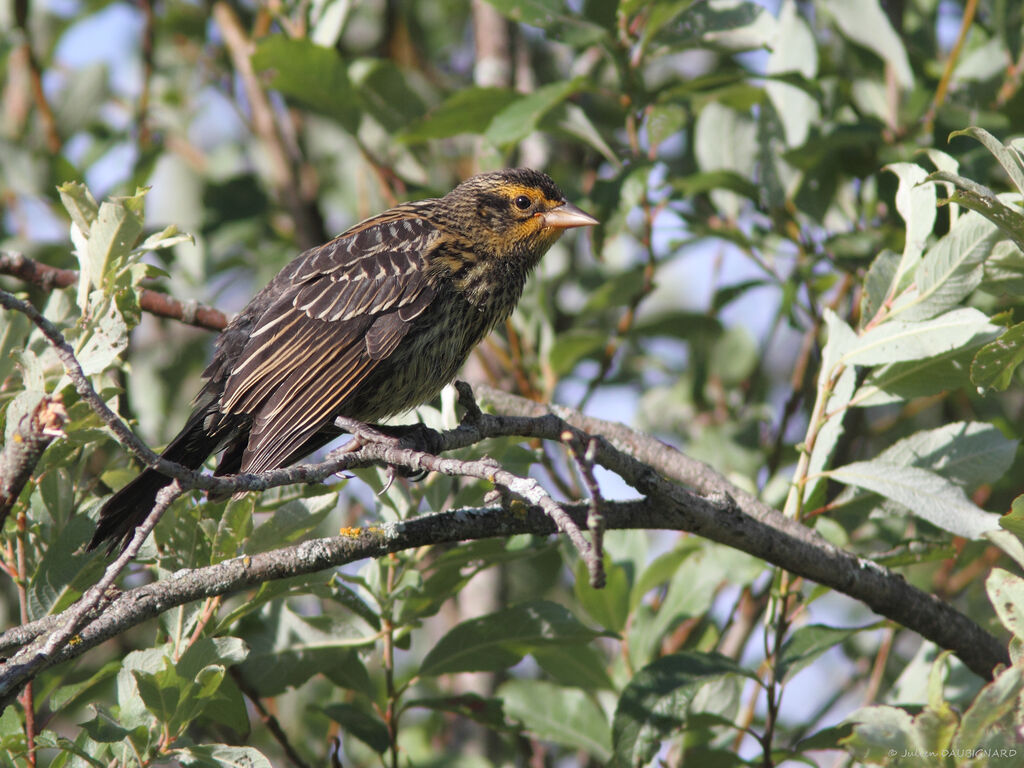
x,y
127,509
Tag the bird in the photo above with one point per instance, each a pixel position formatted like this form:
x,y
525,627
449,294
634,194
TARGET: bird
x,y
367,326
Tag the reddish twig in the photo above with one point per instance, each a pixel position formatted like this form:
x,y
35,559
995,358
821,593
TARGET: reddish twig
x,y
156,303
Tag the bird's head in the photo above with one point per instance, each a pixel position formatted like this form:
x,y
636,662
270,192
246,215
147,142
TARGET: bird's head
x,y
514,213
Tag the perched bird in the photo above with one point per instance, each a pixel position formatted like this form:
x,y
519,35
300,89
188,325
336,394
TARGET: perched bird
x,y
369,325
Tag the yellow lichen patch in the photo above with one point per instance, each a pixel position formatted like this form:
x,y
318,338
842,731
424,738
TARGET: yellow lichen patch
x,y
350,533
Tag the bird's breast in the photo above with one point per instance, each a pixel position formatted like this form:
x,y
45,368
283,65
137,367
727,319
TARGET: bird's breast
x,y
426,360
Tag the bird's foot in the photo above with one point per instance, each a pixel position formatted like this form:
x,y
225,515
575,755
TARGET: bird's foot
x,y
418,437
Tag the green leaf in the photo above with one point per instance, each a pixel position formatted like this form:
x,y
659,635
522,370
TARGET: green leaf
x,y
1013,521
519,119
926,494
574,345
573,121
617,290
351,601
794,49
991,718
160,692
608,606
725,140
227,707
691,590
865,23
58,577
386,93
311,74
681,324
920,378
1009,159
980,199
551,14
1006,593
500,640
469,110
966,453
665,121
80,204
916,203
290,522
103,236
106,730
655,704
210,650
84,91
68,696
576,666
1004,270
994,365
560,715
878,284
806,644
949,271
734,356
537,13
222,756
896,341
132,710
659,571
706,181
286,649
453,569
487,712
881,732
733,25
104,341
362,724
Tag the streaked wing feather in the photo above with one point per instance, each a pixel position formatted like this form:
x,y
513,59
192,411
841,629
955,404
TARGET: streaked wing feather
x,y
300,408
347,306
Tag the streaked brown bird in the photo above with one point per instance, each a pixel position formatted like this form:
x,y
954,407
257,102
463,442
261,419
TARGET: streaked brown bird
x,y
369,325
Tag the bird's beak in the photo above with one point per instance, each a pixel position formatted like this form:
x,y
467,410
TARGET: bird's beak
x,y
567,216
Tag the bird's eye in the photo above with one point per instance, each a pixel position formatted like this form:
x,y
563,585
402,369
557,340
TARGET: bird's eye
x,y
523,202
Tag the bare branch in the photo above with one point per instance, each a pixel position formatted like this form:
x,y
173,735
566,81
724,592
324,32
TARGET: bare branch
x,y
750,525
130,608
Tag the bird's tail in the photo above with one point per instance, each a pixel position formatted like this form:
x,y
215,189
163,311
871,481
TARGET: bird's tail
x,y
127,509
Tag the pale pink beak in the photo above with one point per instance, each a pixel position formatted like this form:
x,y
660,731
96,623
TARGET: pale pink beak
x,y
567,216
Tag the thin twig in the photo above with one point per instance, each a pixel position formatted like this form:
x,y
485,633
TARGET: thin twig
x,y
269,721
50,133
583,456
28,704
970,7
91,600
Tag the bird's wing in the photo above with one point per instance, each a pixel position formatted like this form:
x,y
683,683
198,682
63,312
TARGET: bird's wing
x,y
343,308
